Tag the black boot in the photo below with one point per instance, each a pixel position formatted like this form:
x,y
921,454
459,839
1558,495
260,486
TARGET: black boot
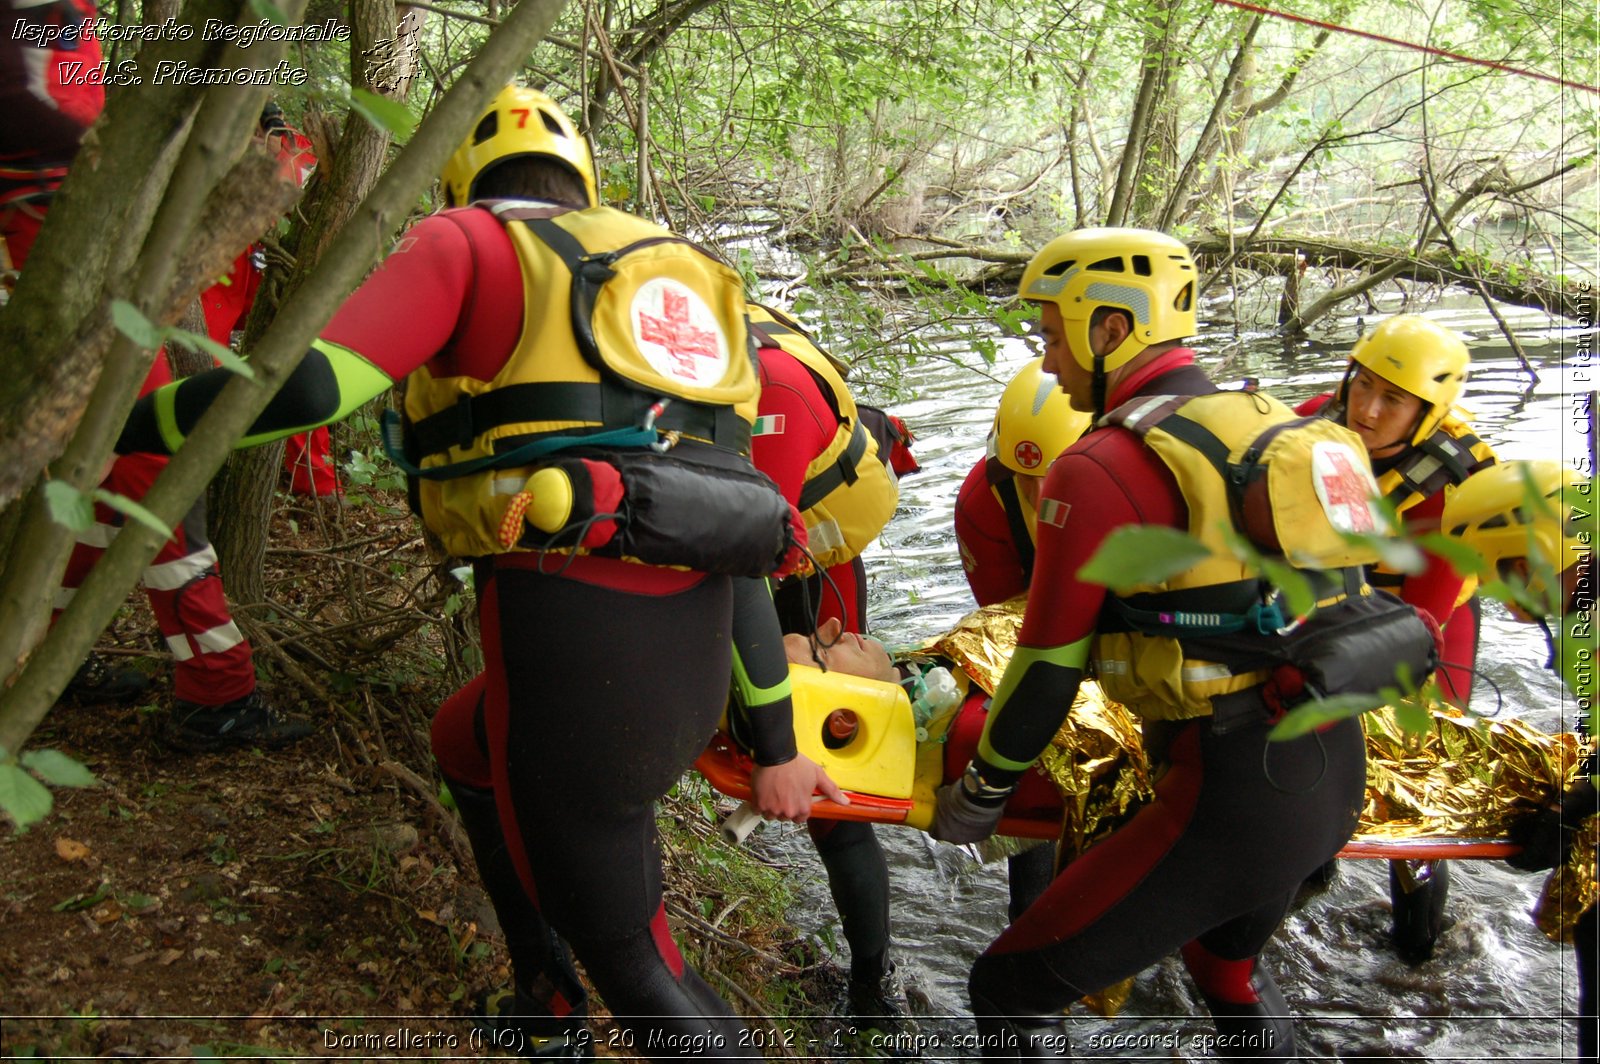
x,y
1261,1029
547,1014
1418,891
1009,1038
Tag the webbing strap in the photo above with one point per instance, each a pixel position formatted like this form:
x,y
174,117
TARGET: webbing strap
x,y
842,471
608,405
393,434
1438,462
1011,499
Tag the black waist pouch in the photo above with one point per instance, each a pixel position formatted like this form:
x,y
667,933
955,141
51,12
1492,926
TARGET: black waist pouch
x,y
1361,646
696,507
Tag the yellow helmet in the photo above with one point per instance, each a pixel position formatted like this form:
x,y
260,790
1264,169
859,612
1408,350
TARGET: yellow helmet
x,y
1034,422
1148,274
1413,353
518,122
1540,510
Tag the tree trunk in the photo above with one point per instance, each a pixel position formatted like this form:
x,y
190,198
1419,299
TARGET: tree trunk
x,y
1154,121
30,682
241,500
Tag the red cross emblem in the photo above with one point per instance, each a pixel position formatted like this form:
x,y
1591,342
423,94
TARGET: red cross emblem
x,y
1349,487
1028,454
681,338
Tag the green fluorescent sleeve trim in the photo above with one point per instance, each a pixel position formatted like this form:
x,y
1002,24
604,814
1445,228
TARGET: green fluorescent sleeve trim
x,y
164,402
750,695
357,380
1066,656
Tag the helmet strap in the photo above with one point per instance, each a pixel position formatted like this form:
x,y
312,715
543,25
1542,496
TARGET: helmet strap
x,y
1098,386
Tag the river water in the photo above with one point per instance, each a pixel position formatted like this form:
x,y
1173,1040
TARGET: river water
x,y
1495,988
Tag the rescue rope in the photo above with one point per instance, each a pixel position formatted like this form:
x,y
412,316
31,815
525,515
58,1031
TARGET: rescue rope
x,y
1426,48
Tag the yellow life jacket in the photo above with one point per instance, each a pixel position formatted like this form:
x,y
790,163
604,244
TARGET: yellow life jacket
x,y
1167,650
618,315
1439,463
849,492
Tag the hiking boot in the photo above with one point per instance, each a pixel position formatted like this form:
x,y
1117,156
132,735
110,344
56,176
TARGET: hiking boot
x,y
880,1005
247,721
514,1023
97,683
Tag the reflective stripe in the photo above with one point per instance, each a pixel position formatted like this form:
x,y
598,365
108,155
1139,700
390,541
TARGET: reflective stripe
x,y
1200,673
1137,414
179,645
170,576
824,537
1111,667
507,485
222,637
98,535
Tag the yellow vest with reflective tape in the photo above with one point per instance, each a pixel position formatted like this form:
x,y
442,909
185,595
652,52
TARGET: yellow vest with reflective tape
x,y
668,324
1440,463
849,492
1159,677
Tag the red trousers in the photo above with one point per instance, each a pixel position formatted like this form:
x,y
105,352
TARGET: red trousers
x,y
213,660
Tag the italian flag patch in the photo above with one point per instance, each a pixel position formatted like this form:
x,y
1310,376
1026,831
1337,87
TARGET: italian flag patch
x,y
768,425
1054,512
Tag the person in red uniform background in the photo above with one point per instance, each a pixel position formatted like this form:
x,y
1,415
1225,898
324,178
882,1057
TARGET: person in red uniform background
x,y
49,101
1210,867
1398,395
307,455
995,522
557,775
811,441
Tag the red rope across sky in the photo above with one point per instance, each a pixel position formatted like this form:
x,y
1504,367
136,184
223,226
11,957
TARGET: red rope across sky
x,y
1408,44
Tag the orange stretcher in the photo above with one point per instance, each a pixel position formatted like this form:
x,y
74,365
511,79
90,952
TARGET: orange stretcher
x,y
891,778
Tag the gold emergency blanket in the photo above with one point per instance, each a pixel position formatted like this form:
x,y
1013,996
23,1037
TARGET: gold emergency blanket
x,y
1462,777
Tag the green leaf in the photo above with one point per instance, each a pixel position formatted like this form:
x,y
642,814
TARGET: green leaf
x,y
384,113
1306,718
1401,555
22,798
82,901
57,769
124,505
225,355
68,506
1463,558
1294,585
130,322
1134,555
1412,716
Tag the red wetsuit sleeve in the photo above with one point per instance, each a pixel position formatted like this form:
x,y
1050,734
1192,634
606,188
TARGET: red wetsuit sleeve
x,y
451,291
797,426
1105,481
1314,405
983,534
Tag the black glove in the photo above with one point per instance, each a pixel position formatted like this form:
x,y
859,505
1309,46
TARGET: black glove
x,y
1545,838
967,811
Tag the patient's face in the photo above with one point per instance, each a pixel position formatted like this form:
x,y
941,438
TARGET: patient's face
x,y
848,653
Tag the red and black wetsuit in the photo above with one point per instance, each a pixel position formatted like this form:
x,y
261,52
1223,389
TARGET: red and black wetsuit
x,y
1210,866
803,424
996,554
602,681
